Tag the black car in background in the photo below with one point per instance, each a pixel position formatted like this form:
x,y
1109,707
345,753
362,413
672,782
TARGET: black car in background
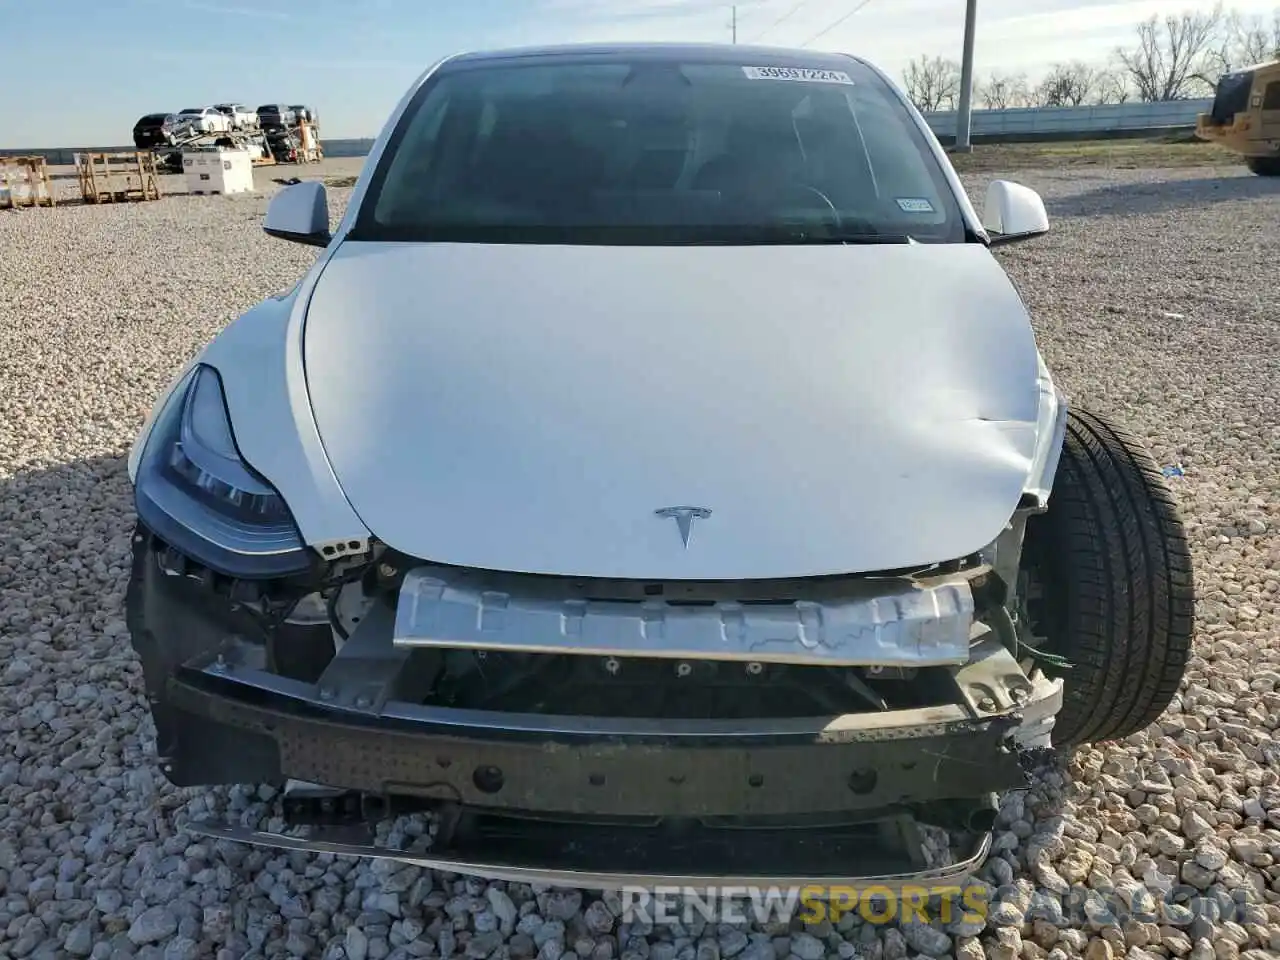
x,y
153,130
276,116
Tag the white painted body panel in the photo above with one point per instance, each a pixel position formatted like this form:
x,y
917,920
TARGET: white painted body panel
x,y
528,408
259,360
258,357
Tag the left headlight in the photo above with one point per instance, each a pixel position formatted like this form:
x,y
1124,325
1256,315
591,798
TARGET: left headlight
x,y
195,491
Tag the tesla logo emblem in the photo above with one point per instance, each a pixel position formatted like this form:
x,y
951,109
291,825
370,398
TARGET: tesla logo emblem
x,y
684,517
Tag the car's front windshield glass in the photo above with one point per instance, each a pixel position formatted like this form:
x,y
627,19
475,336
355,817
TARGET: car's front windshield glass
x,y
657,152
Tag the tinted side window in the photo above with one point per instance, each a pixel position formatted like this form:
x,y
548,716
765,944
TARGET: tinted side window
x,y
1271,97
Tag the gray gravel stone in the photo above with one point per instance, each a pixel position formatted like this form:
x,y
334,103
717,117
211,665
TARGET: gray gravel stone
x,y
807,947
732,942
79,940
356,943
153,924
598,918
925,939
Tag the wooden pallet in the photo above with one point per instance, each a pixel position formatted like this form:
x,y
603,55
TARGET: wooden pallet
x,y
24,182
118,177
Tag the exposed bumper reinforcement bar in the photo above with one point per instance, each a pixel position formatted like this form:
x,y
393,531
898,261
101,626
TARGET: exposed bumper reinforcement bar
x,y
885,622
515,872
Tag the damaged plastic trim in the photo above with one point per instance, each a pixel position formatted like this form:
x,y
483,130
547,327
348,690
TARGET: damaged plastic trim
x,y
945,876
1051,430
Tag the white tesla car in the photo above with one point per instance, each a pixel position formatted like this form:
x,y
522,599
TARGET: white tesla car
x,y
656,477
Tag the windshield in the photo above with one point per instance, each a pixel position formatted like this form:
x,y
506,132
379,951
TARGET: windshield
x,y
191,110
657,152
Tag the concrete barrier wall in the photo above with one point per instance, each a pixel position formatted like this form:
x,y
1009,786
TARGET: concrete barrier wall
x,y
992,126
1030,123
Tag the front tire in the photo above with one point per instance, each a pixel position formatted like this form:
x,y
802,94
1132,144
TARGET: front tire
x,y
1264,166
1113,567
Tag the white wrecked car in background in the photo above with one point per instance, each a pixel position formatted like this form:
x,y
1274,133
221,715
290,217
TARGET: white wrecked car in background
x,y
656,478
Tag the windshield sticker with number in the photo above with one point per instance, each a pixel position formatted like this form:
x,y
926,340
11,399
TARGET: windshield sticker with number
x,y
915,205
804,74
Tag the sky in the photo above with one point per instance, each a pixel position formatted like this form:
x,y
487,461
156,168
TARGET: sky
x,y
81,72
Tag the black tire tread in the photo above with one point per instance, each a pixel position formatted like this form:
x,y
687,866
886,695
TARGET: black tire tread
x,y
1118,562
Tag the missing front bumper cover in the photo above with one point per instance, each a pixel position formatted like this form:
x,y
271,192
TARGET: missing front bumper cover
x,y
222,716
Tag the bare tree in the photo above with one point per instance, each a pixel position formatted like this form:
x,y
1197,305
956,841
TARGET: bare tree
x,y
1173,57
1241,42
1253,40
1111,85
932,83
1066,85
1002,91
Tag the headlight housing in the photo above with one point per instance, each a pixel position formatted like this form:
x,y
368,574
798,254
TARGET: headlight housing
x,y
195,491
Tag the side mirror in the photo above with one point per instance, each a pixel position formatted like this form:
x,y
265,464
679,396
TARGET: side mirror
x,y
300,213
1013,212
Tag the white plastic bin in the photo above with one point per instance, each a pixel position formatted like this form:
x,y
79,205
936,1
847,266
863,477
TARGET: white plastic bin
x,y
218,170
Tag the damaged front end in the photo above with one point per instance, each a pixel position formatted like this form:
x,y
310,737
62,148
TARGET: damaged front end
x,y
599,733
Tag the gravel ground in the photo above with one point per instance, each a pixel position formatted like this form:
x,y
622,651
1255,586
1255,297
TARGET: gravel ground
x,y
1155,300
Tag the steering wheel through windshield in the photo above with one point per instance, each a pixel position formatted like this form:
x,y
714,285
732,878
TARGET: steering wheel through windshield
x,y
811,192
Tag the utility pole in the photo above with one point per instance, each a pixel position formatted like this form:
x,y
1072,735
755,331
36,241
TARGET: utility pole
x,y
735,24
964,115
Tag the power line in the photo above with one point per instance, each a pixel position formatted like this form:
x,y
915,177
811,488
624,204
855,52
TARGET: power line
x,y
781,20
822,33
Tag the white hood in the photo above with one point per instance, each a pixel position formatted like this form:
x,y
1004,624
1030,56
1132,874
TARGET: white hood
x,y
529,408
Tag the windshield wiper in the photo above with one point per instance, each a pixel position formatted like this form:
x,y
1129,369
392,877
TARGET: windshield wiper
x,y
852,237
825,234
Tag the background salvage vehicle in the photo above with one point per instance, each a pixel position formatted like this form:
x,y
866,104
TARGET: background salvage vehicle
x,y
202,120
275,116
154,130
241,117
656,445
1245,117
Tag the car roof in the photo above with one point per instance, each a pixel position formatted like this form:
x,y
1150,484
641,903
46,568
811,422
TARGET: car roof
x,y
712,52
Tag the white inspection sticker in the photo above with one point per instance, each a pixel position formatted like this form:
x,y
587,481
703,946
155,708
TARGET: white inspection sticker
x,y
804,74
915,205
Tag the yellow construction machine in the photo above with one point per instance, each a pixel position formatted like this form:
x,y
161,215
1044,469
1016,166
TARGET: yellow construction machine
x,y
1246,116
